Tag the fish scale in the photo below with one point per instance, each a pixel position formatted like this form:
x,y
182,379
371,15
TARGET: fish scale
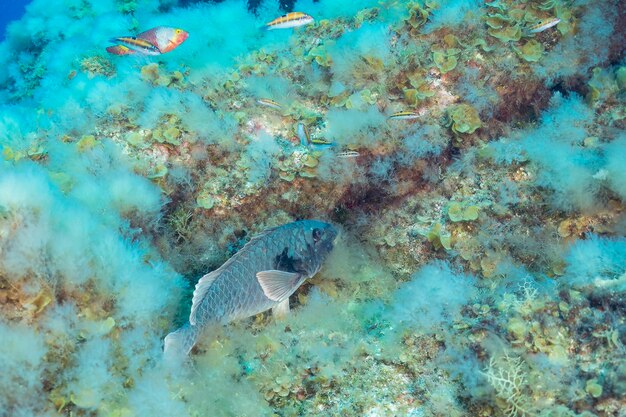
x,y
287,255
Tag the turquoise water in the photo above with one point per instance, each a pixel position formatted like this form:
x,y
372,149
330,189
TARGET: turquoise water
x,y
470,154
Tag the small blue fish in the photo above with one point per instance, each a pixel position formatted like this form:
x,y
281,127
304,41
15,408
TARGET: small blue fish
x,y
303,135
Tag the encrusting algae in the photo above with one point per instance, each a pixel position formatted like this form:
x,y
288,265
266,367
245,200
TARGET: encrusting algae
x,y
469,154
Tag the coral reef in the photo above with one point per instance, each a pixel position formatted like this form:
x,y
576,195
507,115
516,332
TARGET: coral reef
x,y
481,268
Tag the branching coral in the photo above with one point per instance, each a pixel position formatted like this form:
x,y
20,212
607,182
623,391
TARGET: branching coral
x,y
508,378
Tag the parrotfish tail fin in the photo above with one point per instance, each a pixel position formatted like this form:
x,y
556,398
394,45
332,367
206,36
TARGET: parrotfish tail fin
x,y
178,344
120,50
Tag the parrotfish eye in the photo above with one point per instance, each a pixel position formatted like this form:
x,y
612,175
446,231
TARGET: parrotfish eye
x,y
317,235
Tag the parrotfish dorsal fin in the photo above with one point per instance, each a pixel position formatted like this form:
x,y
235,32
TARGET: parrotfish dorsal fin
x,y
198,294
278,285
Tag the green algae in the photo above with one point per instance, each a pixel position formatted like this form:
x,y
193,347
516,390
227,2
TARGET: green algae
x,y
86,143
439,237
446,60
603,84
464,119
531,51
507,33
458,212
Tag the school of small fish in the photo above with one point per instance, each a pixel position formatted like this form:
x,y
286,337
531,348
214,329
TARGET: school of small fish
x,y
269,268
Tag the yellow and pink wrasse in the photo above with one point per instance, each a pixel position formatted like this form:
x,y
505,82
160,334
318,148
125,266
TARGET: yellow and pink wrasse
x,y
290,20
156,41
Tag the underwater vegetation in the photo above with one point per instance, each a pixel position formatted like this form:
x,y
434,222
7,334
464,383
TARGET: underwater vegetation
x,y
471,155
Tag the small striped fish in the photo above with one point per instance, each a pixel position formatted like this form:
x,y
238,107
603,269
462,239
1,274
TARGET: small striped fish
x,y
347,154
306,140
316,141
540,27
404,115
269,103
290,20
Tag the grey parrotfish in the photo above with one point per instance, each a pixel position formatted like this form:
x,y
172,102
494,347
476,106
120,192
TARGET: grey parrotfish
x,y
262,275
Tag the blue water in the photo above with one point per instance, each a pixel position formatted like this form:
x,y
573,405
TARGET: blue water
x,y
10,11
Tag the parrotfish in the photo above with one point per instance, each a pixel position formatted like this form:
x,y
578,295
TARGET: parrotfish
x,y
290,20
262,275
540,27
404,115
156,41
269,103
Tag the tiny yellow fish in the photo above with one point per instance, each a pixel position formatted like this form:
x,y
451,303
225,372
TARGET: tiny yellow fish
x,y
290,20
321,144
305,139
404,115
269,103
318,141
547,24
348,154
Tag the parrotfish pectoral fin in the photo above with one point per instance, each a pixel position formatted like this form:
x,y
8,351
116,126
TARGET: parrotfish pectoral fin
x,y
281,310
278,285
178,344
120,50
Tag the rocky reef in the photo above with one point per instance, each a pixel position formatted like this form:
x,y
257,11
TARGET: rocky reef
x,y
472,154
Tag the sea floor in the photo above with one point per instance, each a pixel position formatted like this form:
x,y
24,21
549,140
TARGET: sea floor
x,y
471,155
